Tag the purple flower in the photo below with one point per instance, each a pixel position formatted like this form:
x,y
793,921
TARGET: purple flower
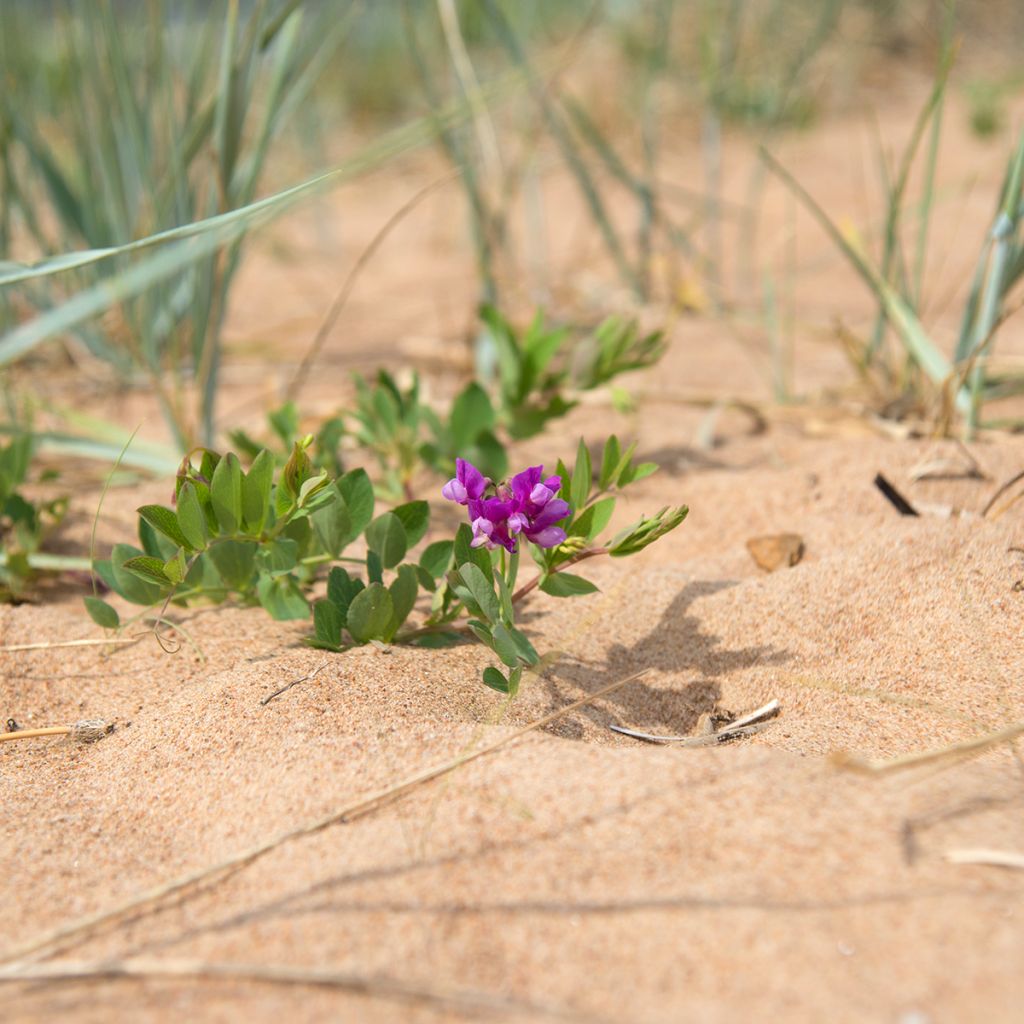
x,y
530,492
489,520
467,485
526,505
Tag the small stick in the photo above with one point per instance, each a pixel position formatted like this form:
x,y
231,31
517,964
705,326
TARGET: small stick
x,y
992,858
295,682
46,645
381,987
748,725
59,937
88,731
896,499
955,752
1001,490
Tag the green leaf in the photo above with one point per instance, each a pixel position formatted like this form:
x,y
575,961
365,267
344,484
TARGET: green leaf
x,y
481,631
226,493
646,531
370,614
609,461
495,680
235,561
581,477
164,520
481,586
427,582
526,650
513,681
341,589
403,591
147,568
332,523
357,490
311,487
101,613
472,413
175,568
278,557
328,623
386,537
593,520
504,646
436,558
281,598
564,584
191,519
466,553
126,583
415,518
256,488
153,543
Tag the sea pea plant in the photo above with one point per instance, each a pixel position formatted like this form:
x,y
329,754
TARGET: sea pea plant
x,y
539,372
264,535
257,537
557,518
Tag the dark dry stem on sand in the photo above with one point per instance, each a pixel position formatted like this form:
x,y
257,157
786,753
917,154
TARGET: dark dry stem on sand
x,y
463,1002
70,934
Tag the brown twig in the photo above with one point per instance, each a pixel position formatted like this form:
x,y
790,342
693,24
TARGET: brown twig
x,y
45,645
68,934
295,682
954,752
1002,489
461,1001
81,732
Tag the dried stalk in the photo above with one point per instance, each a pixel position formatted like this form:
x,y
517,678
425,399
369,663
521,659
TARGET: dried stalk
x,y
69,934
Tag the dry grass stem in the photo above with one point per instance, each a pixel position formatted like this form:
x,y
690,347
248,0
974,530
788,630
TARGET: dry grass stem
x,y
992,858
944,756
88,731
458,1001
69,934
747,725
46,645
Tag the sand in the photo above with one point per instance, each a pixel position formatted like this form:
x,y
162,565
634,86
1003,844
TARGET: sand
x,y
575,873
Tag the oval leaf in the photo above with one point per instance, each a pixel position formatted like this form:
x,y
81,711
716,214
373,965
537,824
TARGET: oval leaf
x,y
415,518
101,613
164,520
226,493
386,537
564,584
191,519
369,614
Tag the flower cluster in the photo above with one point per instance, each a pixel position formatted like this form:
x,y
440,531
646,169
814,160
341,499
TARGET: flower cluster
x,y
526,505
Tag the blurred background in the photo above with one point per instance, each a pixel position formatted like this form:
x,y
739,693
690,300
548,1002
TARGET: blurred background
x,y
211,210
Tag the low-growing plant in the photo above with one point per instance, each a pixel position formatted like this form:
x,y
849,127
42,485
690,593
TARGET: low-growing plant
x,y
283,424
559,519
24,523
538,374
262,536
240,535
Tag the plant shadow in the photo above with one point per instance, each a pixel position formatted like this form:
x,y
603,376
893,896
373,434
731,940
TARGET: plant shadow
x,y
678,645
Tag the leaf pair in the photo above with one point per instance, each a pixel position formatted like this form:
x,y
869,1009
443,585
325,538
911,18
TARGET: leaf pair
x,y
367,611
